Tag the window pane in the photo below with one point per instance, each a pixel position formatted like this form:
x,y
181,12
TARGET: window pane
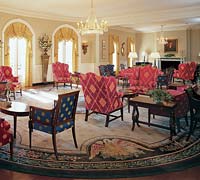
x,y
60,51
69,50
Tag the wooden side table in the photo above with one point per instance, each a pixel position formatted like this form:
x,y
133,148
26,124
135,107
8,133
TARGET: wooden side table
x,y
75,78
147,102
14,109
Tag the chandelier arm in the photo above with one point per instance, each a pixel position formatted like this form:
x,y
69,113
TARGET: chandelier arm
x,y
91,25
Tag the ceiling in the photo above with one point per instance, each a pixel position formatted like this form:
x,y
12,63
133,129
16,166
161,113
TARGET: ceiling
x,y
131,15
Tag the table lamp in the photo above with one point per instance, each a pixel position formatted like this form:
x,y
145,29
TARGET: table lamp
x,y
132,55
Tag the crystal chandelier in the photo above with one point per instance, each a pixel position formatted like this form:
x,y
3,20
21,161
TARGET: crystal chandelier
x,y
91,25
162,39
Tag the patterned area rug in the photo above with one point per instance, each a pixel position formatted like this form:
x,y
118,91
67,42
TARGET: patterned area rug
x,y
111,152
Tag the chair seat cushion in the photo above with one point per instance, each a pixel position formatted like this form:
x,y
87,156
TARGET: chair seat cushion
x,y
48,129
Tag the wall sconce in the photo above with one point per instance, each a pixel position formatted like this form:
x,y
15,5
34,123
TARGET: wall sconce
x,y
84,47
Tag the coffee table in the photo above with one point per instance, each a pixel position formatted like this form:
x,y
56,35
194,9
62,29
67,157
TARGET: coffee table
x,y
147,102
15,109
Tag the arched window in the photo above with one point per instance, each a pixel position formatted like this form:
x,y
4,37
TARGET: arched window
x,y
114,51
65,47
18,51
65,52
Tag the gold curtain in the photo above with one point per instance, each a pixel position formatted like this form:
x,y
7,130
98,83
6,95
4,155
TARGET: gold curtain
x,y
114,39
22,31
130,43
67,34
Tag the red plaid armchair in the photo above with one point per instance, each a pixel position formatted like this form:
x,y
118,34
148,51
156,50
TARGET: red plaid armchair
x,y
185,71
13,81
61,74
101,96
5,135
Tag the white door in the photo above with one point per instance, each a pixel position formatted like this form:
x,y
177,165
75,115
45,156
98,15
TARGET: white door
x,y
17,48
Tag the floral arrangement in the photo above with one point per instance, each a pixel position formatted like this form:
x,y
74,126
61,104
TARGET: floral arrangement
x,y
45,43
160,95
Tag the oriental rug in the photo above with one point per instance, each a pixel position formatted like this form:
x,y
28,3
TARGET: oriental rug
x,y
103,152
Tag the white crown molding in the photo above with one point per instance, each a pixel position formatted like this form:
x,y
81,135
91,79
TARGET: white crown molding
x,y
39,15
134,22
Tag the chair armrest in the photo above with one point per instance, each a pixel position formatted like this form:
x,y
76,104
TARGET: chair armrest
x,y
13,79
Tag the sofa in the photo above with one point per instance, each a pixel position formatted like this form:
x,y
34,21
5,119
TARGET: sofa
x,y
141,78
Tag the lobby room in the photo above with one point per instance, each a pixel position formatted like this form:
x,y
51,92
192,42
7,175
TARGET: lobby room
x,y
123,76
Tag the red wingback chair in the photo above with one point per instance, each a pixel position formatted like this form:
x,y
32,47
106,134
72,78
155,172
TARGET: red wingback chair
x,y
13,81
61,74
5,135
185,71
192,69
181,110
147,79
101,96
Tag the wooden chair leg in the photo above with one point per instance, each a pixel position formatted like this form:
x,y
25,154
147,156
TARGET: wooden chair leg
x,y
186,120
122,114
74,137
191,129
30,134
21,92
149,118
11,147
86,115
54,145
14,95
107,120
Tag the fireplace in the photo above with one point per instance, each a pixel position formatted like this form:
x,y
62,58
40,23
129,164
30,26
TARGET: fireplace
x,y
166,63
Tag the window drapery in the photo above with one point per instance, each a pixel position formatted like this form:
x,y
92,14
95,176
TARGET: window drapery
x,y
130,45
20,30
67,34
114,39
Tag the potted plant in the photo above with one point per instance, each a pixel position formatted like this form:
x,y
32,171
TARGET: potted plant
x,y
160,95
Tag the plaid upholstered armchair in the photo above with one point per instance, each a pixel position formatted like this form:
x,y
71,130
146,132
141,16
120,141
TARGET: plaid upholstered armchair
x,y
13,81
185,71
5,135
56,120
101,96
61,74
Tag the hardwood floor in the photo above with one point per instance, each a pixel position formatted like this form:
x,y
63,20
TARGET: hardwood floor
x,y
189,174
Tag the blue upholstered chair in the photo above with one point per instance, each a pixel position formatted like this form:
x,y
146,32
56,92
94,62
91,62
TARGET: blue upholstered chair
x,y
55,120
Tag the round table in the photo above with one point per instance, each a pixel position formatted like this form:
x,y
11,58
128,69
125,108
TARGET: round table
x,y
15,109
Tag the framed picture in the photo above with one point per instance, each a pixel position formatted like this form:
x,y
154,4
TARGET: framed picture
x,y
171,46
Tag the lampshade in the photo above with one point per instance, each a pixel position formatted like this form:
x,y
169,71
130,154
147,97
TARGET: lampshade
x,y
155,55
132,55
199,54
91,25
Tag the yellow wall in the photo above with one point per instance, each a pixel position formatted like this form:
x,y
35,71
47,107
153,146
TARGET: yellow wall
x,y
188,42
94,57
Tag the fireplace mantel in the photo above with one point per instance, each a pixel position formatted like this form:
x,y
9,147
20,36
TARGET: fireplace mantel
x,y
166,62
